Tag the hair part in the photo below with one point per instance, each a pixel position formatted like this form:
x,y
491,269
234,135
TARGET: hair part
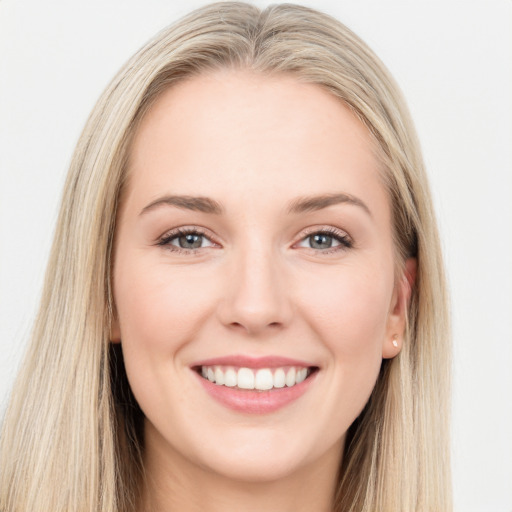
x,y
72,436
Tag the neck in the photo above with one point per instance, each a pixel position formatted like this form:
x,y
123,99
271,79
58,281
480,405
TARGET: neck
x,y
176,483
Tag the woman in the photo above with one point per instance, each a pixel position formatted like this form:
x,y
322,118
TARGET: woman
x,y
245,302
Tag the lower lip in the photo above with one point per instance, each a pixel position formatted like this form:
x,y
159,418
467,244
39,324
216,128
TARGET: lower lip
x,y
256,402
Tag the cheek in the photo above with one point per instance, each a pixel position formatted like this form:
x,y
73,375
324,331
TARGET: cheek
x,y
351,314
349,318
159,312
158,308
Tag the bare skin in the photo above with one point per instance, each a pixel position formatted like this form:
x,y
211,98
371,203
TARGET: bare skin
x,y
170,487
254,224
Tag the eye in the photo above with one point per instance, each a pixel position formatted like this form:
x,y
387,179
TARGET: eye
x,y
326,240
185,239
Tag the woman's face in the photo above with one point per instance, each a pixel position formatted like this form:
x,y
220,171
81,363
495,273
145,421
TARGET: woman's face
x,y
253,249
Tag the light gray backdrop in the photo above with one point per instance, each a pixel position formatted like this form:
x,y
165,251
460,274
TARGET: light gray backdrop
x,y
453,60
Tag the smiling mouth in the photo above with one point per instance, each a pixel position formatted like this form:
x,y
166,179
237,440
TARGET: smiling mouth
x,y
260,379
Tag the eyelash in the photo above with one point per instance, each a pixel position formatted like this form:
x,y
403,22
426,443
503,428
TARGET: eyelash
x,y
166,240
339,236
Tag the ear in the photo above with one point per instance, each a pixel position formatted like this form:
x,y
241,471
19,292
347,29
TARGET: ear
x,y
397,318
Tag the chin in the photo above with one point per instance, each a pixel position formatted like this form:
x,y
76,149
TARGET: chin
x,y
257,468
264,457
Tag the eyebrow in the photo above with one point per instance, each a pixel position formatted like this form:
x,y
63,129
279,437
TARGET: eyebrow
x,y
198,204
313,203
299,205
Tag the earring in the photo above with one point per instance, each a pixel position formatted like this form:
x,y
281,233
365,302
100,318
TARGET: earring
x,y
395,341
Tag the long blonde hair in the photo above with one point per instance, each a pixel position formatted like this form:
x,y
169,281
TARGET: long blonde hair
x,y
72,437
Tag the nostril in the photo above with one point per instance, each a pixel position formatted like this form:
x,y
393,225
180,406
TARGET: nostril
x,y
255,325
255,302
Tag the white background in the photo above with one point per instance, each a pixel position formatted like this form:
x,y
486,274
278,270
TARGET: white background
x,y
453,60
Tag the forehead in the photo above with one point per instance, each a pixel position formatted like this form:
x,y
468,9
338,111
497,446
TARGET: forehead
x,y
233,132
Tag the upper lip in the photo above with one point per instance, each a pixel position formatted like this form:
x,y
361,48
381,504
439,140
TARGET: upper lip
x,y
243,361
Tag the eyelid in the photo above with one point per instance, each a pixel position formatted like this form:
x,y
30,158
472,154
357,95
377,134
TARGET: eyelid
x,y
346,241
323,228
164,240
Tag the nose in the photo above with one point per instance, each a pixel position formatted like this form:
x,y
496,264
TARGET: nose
x,y
256,299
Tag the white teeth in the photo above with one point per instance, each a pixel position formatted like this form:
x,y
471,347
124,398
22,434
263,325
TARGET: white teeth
x,y
219,376
230,378
290,377
301,375
245,378
262,379
279,378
